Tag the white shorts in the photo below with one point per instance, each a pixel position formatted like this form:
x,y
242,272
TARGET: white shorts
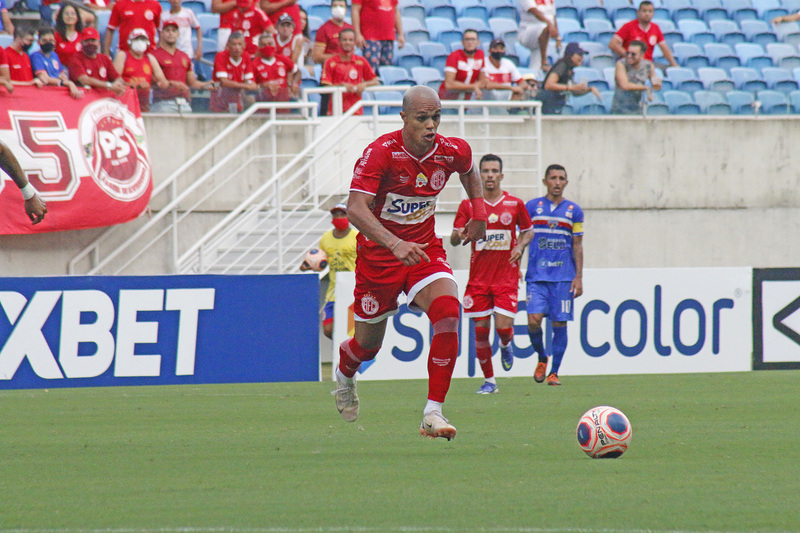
x,y
528,35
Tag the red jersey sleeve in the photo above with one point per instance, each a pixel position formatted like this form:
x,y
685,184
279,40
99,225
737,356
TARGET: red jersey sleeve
x,y
114,18
3,61
75,67
452,62
326,78
463,214
369,170
462,154
112,72
369,74
624,32
658,34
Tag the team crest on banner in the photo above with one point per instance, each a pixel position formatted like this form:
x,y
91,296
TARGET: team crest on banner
x,y
87,158
114,149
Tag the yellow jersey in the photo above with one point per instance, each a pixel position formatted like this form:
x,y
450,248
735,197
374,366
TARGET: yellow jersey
x,y
341,257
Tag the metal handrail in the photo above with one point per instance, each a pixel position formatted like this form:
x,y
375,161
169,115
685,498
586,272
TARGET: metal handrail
x,y
93,248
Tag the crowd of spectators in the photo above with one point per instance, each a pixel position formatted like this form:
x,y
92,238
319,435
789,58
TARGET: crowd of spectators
x,y
278,54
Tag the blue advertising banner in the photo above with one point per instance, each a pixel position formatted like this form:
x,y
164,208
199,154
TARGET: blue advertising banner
x,y
157,330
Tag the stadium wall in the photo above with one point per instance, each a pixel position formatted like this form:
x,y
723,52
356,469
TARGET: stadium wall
x,y
665,192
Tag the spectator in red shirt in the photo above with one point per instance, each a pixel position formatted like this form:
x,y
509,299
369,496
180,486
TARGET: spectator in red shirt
x,y
68,33
227,20
19,64
138,67
229,69
128,15
349,70
277,77
5,78
378,23
287,42
177,68
326,42
275,8
642,29
93,69
464,73
250,21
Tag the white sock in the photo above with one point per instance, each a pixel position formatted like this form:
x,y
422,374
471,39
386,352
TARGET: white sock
x,y
342,377
491,380
432,406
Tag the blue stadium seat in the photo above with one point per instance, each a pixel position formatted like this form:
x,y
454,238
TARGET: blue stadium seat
x,y
683,79
741,102
780,79
683,51
609,74
740,10
407,57
747,79
587,104
727,31
196,6
758,31
467,23
715,79
427,76
208,22
689,27
783,55
414,12
773,102
711,10
567,12
431,49
712,103
681,103
451,38
597,26
417,37
501,26
753,55
681,10
607,99
794,101
763,6
796,74
788,32
388,95
314,23
722,56
412,24
600,61
442,9
395,76
437,25
592,76
594,12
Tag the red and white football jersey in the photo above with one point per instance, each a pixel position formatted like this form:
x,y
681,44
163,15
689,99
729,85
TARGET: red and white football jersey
x,y
405,187
489,264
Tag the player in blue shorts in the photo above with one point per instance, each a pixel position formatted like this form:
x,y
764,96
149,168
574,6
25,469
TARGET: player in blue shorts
x,y
555,267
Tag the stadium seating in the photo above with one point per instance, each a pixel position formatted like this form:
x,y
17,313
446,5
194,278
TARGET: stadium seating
x,y
391,75
427,76
783,55
741,102
715,79
779,79
794,101
712,103
747,79
773,102
681,103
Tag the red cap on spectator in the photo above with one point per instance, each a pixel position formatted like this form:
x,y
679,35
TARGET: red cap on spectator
x,y
171,22
89,33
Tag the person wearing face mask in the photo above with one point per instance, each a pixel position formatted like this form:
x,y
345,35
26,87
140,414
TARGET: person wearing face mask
x,y
339,244
230,66
19,64
47,66
139,68
326,42
276,76
90,68
503,80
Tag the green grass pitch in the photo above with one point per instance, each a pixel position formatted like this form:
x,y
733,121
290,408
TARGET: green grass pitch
x,y
710,452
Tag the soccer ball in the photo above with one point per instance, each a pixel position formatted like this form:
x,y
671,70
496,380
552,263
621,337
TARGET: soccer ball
x,y
604,432
316,260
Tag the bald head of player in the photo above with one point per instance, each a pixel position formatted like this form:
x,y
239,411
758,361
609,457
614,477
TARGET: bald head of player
x,y
421,114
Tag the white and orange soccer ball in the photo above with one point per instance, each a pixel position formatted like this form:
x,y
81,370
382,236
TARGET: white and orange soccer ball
x,y
316,260
604,432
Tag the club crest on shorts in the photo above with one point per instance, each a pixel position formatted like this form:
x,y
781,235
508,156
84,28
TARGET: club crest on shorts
x,y
369,304
468,302
114,149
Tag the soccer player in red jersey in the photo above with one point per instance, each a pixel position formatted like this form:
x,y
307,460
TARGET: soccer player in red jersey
x,y
35,207
229,68
349,70
392,200
493,278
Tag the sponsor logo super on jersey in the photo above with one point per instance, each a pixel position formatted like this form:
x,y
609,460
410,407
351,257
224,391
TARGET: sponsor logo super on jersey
x,y
408,209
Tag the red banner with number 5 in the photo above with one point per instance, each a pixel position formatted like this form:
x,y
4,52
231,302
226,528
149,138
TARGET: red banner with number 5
x,y
87,158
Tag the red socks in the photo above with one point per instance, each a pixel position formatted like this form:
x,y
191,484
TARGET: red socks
x,y
443,314
351,355
483,350
505,335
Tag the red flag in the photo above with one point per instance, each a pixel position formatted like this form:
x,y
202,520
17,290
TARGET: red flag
x,y
87,158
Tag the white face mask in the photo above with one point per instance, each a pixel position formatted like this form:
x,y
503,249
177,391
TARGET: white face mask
x,y
338,12
140,45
